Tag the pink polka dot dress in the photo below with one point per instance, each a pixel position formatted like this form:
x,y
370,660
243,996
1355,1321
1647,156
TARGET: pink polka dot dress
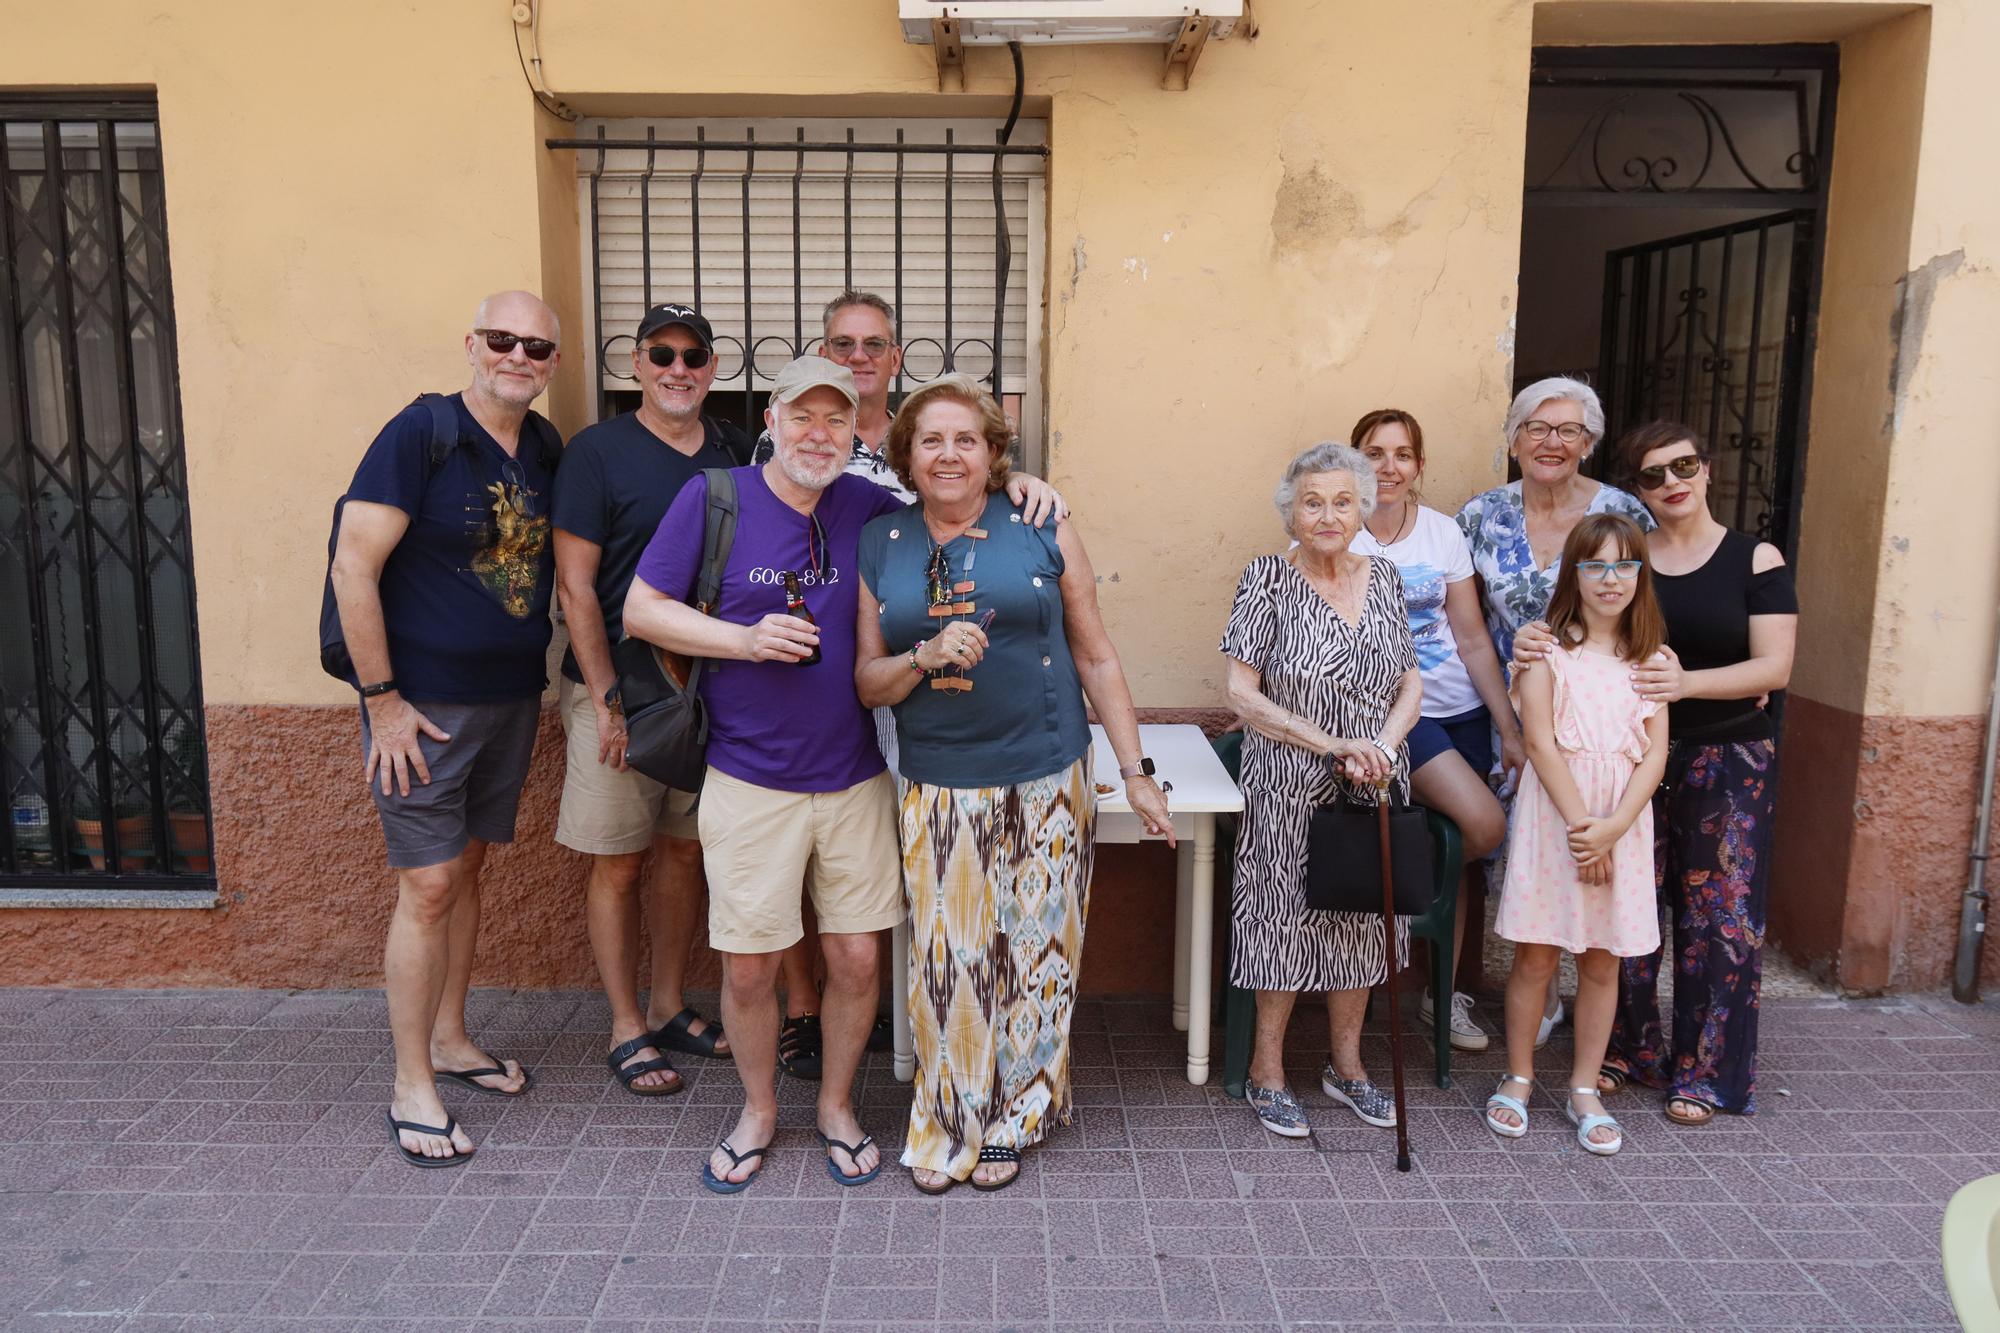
x,y
1600,726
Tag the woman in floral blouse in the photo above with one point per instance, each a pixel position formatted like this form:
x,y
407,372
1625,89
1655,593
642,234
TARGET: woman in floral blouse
x,y
1517,531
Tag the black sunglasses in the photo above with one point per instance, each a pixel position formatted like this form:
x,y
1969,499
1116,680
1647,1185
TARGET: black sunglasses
x,y
1684,467
501,343
694,358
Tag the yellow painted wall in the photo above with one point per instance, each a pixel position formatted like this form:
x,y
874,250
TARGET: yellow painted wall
x,y
1328,221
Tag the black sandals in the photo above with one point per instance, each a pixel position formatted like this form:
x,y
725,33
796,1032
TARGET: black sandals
x,y
459,1156
674,1035
628,1075
798,1046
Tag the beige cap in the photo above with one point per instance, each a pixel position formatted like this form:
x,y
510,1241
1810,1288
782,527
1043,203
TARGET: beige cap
x,y
814,372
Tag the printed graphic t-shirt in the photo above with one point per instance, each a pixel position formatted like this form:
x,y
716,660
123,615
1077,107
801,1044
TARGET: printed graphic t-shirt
x,y
1432,556
616,482
778,724
465,594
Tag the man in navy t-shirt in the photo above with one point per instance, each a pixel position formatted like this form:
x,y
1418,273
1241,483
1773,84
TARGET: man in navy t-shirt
x,y
618,477
443,571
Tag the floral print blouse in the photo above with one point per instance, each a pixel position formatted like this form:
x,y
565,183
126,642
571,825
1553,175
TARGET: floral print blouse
x,y
1517,591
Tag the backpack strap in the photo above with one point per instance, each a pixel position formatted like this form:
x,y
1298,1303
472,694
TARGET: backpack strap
x,y
718,535
548,443
444,431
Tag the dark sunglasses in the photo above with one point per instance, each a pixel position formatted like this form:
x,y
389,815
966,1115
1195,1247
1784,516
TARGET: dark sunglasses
x,y
694,358
501,343
1684,467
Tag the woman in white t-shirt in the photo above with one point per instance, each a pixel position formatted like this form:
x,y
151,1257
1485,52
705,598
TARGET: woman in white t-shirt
x,y
1465,693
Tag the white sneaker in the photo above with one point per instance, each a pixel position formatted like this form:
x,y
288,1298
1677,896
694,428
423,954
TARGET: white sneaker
x,y
1466,1035
1549,1024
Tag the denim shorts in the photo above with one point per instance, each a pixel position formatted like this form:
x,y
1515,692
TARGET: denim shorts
x,y
1470,733
475,786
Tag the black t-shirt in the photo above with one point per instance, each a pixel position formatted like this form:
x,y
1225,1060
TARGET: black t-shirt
x,y
1708,625
465,594
616,483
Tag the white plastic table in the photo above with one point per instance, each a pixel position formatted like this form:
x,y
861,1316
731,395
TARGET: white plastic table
x,y
1181,755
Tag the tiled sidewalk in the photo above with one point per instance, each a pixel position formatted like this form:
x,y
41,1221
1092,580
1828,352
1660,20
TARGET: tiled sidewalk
x,y
218,1160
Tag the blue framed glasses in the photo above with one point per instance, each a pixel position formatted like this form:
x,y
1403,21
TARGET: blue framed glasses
x,y
1597,571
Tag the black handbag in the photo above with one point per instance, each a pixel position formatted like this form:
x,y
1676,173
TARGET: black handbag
x,y
1344,858
666,722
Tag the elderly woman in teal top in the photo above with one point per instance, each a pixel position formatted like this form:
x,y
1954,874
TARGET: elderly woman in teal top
x,y
982,633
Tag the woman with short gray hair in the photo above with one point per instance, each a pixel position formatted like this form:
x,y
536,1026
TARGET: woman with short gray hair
x,y
1323,672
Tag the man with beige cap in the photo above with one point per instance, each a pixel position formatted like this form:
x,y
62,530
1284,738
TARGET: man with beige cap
x,y
796,792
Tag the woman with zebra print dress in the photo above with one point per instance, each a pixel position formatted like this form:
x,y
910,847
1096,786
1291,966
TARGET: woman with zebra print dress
x,y
1323,671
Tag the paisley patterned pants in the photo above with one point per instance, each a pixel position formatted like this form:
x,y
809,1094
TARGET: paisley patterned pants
x,y
998,880
1711,857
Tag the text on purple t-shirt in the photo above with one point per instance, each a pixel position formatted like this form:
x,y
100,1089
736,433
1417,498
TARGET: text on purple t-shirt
x,y
777,724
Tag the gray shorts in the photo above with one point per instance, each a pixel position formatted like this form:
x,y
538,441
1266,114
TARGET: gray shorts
x,y
475,786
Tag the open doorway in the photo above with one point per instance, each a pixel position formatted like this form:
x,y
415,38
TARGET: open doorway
x,y
1670,246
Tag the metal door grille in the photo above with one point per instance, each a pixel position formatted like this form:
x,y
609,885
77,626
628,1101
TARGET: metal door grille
x,y
102,749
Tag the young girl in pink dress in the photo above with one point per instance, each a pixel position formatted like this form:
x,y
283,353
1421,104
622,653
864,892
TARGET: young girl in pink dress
x,y
1580,856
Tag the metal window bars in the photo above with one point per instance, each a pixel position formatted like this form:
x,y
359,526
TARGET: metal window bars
x,y
758,232
102,745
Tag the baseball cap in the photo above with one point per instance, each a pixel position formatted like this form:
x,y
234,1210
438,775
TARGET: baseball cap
x,y
814,372
666,316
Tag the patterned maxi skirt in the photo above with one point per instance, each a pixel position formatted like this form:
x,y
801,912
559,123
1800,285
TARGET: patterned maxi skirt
x,y
998,880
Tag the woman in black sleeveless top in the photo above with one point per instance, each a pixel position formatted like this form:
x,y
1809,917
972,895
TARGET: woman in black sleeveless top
x,y
1732,617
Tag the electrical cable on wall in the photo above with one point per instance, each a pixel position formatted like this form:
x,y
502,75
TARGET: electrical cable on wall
x,y
528,14
1002,242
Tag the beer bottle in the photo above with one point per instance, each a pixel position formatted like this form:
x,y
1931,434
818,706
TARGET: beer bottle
x,y
795,605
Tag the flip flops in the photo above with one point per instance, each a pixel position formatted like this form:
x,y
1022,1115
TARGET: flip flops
x,y
628,1075
470,1078
674,1035
853,1151
714,1184
458,1158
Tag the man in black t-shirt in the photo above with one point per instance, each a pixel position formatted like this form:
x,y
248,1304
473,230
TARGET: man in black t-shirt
x,y
442,572
618,479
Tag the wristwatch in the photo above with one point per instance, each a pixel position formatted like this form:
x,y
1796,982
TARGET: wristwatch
x,y
379,687
1144,768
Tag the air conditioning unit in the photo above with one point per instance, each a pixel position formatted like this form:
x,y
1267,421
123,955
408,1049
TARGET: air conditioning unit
x,y
997,22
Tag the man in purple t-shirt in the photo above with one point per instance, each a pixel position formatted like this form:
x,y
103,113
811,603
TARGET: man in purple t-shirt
x,y
796,791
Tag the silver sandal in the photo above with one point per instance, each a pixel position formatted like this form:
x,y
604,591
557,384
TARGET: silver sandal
x,y
1518,1105
1585,1123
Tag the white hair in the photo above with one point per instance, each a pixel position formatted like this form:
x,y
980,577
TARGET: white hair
x,y
1554,387
483,315
1326,456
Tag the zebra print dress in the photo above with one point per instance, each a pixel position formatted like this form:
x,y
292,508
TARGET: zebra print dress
x,y
1343,679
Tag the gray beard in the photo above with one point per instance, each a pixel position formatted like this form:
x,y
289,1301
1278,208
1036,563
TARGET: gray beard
x,y
799,477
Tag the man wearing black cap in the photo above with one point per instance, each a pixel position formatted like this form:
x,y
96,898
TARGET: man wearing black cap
x,y
618,479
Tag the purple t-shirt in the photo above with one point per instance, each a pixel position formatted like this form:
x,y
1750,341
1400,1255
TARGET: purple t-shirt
x,y
777,724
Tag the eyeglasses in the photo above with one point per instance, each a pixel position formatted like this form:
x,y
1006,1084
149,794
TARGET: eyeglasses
x,y
1597,571
1684,467
1569,432
694,358
843,348
502,343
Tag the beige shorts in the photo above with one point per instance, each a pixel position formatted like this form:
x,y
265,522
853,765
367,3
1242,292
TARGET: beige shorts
x,y
758,845
606,812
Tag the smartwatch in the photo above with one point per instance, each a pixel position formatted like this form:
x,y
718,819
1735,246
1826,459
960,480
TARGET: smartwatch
x,y
1144,768
379,687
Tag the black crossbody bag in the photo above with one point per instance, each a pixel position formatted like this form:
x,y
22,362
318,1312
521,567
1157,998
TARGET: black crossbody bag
x,y
666,722
1344,858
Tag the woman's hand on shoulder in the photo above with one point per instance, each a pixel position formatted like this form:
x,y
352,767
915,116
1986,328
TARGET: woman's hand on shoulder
x,y
1532,643
1660,677
1035,498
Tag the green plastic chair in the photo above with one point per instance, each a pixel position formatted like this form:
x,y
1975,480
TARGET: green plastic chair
x,y
1239,1006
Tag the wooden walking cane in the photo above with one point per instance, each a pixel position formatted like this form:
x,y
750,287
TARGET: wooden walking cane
x,y
1389,953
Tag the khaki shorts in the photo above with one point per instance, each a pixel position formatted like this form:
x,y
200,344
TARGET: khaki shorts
x,y
758,844
606,812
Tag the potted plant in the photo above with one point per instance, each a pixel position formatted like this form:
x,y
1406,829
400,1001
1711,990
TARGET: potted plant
x,y
187,821
134,825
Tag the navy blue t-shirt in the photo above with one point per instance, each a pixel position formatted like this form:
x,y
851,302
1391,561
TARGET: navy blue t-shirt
x,y
465,594
617,480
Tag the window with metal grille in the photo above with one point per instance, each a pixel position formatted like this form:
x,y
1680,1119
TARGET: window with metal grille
x,y
758,223
102,753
